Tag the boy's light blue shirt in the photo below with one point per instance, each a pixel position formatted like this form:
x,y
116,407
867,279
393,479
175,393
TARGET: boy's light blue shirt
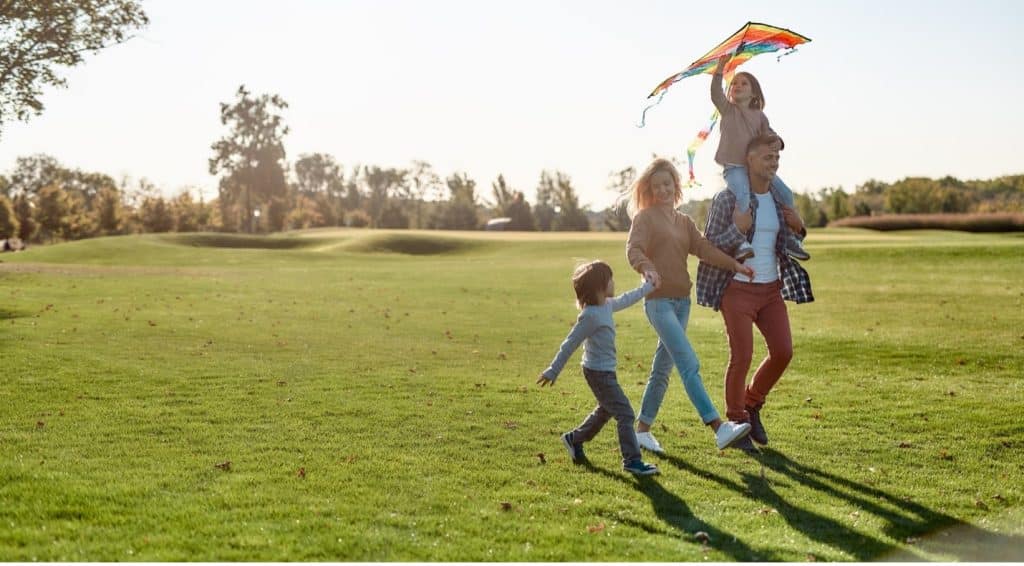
x,y
595,329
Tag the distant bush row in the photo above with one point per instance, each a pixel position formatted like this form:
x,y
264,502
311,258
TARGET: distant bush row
x,y
979,222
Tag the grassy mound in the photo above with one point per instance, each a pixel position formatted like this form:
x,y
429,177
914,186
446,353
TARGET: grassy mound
x,y
243,241
410,244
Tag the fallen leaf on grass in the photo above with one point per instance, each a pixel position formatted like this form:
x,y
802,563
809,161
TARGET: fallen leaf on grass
x,y
40,424
904,444
540,456
151,323
506,506
226,466
302,473
511,425
593,529
980,504
944,455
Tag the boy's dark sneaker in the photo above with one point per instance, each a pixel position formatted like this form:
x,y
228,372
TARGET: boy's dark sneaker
x,y
640,468
795,249
757,432
575,450
745,445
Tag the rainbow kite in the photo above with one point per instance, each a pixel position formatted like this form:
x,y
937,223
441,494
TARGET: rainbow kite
x,y
750,40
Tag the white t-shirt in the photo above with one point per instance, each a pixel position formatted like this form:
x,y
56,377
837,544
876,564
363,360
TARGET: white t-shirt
x,y
766,230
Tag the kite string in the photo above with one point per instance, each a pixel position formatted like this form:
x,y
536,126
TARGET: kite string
x,y
702,136
643,117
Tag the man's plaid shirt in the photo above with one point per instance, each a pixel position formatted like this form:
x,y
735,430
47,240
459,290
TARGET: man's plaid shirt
x,y
723,233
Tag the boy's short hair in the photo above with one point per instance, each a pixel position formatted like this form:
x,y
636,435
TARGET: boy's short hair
x,y
590,279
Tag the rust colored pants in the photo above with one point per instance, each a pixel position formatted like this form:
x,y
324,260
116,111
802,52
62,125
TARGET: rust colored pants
x,y
743,306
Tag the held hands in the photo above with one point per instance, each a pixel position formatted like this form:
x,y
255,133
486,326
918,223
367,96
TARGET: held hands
x,y
653,277
543,381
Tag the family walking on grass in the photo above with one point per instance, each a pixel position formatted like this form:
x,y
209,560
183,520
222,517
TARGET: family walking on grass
x,y
746,270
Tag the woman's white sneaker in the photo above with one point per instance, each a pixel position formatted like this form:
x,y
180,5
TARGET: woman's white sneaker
x,y
648,442
729,432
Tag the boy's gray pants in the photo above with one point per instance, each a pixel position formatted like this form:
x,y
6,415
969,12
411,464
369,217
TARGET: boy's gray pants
x,y
611,403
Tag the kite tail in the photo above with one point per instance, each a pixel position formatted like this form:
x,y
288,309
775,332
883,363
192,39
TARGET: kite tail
x,y
789,51
643,117
698,141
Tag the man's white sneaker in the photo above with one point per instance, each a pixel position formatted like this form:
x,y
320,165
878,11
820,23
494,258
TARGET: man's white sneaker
x,y
648,442
729,432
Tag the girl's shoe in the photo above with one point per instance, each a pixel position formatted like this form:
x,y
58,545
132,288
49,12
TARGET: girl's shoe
x,y
640,468
648,442
795,249
729,432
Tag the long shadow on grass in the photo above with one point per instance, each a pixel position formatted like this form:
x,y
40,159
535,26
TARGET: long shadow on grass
x,y
814,525
903,517
671,509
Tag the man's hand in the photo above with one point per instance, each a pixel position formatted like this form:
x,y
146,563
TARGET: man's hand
x,y
743,220
793,220
543,381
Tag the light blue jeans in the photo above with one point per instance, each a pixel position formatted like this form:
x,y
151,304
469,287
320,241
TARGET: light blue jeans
x,y
669,318
739,184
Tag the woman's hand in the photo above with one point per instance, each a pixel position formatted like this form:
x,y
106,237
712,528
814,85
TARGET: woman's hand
x,y
744,269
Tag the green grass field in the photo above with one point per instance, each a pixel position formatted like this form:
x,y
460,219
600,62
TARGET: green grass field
x,y
367,396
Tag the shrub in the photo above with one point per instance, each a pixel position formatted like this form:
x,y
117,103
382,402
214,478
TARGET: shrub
x,y
994,222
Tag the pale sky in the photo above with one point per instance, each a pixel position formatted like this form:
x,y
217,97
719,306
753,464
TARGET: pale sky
x,y
885,89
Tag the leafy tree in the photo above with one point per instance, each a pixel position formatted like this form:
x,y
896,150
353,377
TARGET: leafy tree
x,y
424,182
570,216
186,213
835,201
459,213
9,224
393,217
305,213
543,208
251,157
32,173
52,208
616,216
512,204
382,185
809,210
24,210
39,36
322,181
108,211
155,215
